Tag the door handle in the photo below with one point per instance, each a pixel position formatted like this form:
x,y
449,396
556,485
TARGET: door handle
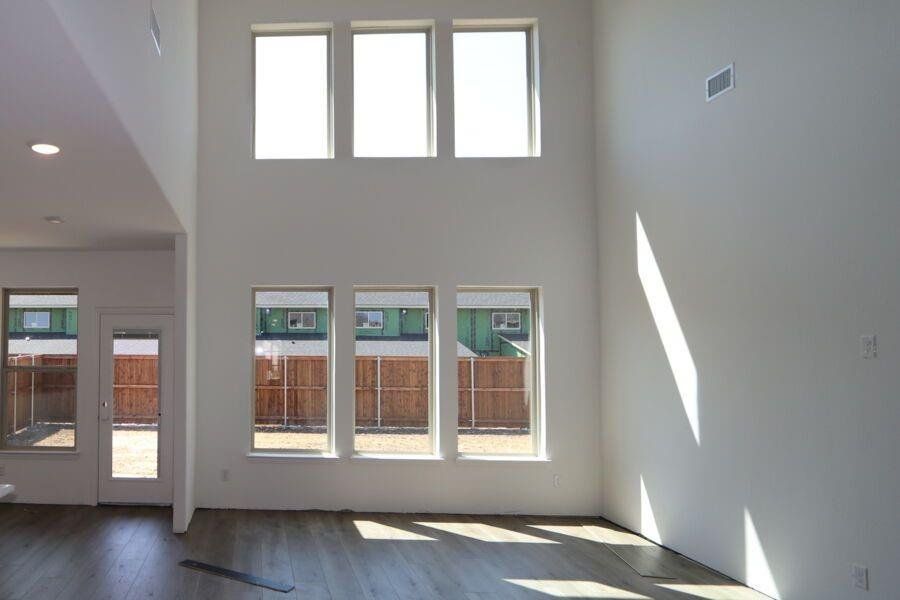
x,y
104,411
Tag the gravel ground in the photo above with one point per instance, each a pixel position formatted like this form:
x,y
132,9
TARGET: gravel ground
x,y
134,450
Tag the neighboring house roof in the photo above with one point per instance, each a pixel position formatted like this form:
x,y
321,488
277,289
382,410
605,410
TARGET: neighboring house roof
x,y
50,301
363,348
300,299
70,346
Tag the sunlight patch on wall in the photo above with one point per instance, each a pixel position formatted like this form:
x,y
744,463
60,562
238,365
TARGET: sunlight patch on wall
x,y
649,528
714,592
371,530
566,588
673,340
487,533
758,573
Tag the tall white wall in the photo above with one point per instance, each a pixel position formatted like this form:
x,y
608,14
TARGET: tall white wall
x,y
104,280
772,213
439,221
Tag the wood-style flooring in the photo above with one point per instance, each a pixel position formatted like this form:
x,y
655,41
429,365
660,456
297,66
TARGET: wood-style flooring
x,y
116,553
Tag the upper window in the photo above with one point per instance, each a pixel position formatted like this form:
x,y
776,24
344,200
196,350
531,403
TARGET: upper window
x,y
370,319
495,109
506,321
392,108
37,320
301,320
292,98
39,375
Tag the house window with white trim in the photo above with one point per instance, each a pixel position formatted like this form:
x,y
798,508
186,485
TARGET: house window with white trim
x,y
37,320
301,320
370,319
506,321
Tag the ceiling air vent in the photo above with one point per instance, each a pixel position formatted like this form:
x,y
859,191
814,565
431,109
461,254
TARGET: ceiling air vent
x,y
154,31
719,82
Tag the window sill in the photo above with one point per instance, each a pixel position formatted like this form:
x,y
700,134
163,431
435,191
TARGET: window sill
x,y
365,456
292,456
495,458
54,454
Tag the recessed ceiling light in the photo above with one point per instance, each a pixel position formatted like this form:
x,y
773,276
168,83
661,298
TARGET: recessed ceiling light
x,y
55,220
45,149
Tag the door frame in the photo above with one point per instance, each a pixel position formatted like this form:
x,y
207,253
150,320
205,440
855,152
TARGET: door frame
x,y
158,491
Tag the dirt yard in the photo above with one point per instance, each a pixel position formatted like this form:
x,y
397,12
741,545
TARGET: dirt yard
x,y
394,442
134,449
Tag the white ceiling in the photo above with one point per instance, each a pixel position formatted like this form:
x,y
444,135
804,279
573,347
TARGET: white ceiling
x,y
99,183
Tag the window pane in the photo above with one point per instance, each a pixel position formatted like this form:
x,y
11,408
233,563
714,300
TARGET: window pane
x,y
135,437
393,374
291,372
292,96
39,378
496,362
490,93
390,94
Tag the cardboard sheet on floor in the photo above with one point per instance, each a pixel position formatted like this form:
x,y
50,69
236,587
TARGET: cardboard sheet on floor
x,y
647,561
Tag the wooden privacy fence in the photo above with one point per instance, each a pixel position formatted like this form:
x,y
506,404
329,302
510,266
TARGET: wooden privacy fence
x,y
35,397
392,391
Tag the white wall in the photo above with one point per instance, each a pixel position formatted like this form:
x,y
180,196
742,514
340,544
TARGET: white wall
x,y
154,95
104,280
772,213
438,221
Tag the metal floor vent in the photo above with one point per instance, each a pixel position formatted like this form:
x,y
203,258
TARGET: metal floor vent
x,y
720,82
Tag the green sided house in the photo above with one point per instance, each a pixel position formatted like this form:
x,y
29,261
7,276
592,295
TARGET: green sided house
x,y
397,323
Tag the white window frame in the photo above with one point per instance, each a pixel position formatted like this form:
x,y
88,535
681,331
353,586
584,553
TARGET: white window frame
x,y
539,428
532,66
433,361
368,313
329,397
302,313
506,316
424,26
293,29
25,324
5,369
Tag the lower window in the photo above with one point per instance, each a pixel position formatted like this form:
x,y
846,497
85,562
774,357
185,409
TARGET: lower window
x,y
39,369
292,369
394,371
497,369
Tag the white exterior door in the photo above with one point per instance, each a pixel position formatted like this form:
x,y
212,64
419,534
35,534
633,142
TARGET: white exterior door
x,y
136,408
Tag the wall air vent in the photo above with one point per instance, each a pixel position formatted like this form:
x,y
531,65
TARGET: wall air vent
x,y
719,82
154,31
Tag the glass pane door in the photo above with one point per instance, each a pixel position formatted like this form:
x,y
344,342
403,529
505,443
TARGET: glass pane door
x,y
135,407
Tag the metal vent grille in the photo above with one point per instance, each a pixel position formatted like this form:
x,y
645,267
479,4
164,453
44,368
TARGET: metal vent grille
x,y
154,31
720,82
